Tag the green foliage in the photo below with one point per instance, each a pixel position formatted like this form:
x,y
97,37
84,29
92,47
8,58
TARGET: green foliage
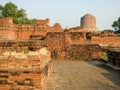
x,y
19,16
116,25
104,56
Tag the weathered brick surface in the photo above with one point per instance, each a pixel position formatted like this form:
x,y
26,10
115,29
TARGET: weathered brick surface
x,y
43,22
57,28
63,46
78,52
88,22
6,22
114,57
110,40
24,71
11,31
20,45
84,52
41,27
7,34
107,33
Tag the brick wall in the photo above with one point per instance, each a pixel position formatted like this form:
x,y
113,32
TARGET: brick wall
x,y
18,31
24,71
63,46
7,34
110,40
114,57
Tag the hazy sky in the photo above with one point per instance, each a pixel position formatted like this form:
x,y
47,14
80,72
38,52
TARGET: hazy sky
x,y
69,12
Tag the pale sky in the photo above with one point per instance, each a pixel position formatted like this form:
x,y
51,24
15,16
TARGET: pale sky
x,y
69,12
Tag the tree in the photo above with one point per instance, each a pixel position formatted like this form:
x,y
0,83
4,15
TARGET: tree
x,y
19,16
116,25
1,8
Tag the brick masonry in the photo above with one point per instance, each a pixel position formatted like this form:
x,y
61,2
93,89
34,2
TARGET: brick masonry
x,y
71,44
18,31
24,70
114,57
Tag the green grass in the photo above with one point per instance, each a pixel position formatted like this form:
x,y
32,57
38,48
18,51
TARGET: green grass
x,y
104,56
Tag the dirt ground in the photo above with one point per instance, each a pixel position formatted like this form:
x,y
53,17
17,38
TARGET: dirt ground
x,y
82,75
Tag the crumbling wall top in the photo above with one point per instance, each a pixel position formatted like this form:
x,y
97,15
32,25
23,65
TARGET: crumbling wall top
x,y
43,22
5,22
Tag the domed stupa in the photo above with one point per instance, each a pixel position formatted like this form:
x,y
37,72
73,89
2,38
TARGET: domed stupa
x,y
88,22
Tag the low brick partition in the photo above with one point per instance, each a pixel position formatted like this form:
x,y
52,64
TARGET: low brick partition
x,y
20,45
106,40
78,52
84,52
114,57
24,71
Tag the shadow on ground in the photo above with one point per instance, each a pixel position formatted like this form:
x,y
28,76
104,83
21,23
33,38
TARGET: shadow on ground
x,y
113,75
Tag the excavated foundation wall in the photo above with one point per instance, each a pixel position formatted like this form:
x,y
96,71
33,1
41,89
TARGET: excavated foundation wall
x,y
106,40
83,52
62,48
78,52
114,57
24,70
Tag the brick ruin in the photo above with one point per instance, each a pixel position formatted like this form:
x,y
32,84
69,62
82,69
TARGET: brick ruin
x,y
88,22
23,69
114,57
11,31
71,46
20,46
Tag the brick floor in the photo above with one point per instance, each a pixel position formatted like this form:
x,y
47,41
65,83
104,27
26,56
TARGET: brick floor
x,y
82,75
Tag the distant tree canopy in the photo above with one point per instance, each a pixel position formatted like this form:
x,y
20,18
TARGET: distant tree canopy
x,y
116,25
19,16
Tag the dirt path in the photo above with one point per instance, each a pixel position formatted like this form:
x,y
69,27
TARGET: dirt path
x,y
82,75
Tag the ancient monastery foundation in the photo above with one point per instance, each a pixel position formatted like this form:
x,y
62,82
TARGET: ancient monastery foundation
x,y
23,46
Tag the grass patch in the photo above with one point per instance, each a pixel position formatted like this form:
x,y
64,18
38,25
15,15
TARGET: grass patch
x,y
104,56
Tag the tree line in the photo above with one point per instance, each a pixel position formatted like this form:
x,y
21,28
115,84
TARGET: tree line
x,y
116,25
19,15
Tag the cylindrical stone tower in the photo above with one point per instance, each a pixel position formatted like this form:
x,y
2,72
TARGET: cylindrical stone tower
x,y
88,22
